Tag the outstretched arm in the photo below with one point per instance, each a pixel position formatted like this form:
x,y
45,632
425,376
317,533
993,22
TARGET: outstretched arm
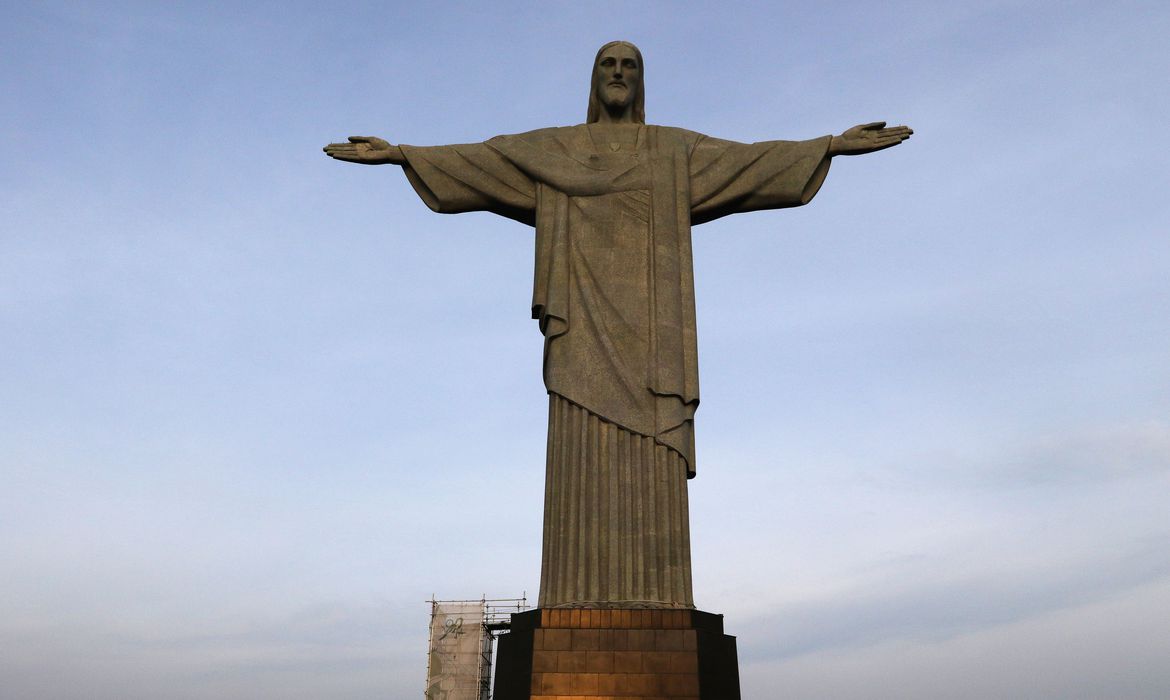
x,y
367,150
450,179
867,138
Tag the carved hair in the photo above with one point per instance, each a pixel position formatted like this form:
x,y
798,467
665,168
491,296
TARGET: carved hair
x,y
639,106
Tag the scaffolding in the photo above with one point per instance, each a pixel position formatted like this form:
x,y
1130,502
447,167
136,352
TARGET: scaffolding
x,y
462,636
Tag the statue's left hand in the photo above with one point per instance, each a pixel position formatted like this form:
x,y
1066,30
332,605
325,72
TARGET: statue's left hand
x,y
867,138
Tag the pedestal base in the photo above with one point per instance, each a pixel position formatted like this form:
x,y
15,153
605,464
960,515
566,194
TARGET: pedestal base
x,y
616,654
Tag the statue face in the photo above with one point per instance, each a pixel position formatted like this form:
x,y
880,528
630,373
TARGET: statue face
x,y
617,77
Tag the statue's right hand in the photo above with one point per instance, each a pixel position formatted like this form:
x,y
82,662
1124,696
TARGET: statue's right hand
x,y
368,150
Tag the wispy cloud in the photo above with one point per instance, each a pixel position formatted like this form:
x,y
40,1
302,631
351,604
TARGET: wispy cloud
x,y
1055,460
920,600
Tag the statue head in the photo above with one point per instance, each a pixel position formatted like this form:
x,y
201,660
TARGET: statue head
x,y
616,87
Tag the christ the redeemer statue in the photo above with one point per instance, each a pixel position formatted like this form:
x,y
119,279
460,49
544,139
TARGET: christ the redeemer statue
x,y
613,201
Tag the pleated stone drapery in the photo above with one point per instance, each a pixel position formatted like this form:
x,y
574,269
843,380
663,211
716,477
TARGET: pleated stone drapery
x,y
616,523
613,206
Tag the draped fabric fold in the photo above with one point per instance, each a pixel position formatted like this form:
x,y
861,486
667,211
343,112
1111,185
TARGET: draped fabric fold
x,y
614,295
613,286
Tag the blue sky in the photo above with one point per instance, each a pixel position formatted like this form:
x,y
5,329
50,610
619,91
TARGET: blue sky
x,y
258,405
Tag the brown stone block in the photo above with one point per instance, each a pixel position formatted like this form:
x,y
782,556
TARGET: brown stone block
x,y
607,684
602,658
556,683
627,662
640,640
683,661
605,640
570,662
624,684
584,683
555,640
599,661
639,684
543,661
668,640
656,662
681,684
574,618
585,640
619,640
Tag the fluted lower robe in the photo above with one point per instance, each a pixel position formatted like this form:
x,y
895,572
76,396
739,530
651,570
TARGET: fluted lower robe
x,y
616,522
614,295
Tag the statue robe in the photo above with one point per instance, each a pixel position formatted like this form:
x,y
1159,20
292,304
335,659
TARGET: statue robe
x,y
613,290
614,295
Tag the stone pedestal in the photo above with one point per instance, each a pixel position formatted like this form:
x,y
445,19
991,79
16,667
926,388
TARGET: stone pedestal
x,y
616,654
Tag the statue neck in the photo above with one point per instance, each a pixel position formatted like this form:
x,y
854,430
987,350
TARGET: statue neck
x,y
616,115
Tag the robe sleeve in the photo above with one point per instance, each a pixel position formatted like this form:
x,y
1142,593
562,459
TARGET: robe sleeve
x,y
729,177
470,177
